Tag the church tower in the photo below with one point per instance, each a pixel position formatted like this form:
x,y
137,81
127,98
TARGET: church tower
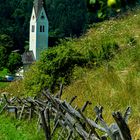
x,y
38,29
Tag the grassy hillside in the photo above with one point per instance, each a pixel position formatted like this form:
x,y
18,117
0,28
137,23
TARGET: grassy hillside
x,y
116,83
111,77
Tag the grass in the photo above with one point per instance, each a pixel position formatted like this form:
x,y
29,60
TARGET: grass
x,y
3,84
13,129
115,83
3,74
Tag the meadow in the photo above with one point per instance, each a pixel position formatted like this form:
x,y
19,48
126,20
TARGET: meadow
x,y
111,78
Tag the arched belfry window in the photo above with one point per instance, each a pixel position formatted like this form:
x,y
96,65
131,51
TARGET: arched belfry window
x,y
33,17
42,28
33,28
42,16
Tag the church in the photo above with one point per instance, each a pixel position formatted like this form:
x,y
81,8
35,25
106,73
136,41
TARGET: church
x,y
38,33
38,29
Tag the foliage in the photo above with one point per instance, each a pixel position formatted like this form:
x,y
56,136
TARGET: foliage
x,y
55,67
108,8
3,57
67,18
64,16
8,59
4,72
114,85
14,62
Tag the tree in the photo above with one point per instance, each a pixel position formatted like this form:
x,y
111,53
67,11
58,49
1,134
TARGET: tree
x,y
14,62
107,8
67,17
3,57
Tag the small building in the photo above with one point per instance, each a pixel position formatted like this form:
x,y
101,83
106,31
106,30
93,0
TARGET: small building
x,y
27,59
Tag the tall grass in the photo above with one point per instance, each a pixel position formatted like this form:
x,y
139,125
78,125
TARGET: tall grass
x,y
113,83
116,84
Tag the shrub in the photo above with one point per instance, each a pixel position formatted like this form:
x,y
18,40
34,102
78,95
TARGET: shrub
x,y
14,62
109,50
54,67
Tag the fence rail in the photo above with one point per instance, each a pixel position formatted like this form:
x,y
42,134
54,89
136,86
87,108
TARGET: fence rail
x,y
72,121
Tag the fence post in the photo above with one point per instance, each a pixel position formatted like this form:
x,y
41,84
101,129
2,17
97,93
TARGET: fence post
x,y
45,127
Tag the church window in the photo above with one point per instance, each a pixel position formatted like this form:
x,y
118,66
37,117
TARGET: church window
x,y
33,17
33,28
42,28
42,17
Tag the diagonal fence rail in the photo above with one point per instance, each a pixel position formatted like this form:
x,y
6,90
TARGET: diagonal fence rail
x,y
50,109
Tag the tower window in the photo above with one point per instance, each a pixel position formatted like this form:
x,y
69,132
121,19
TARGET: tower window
x,y
42,16
42,28
33,28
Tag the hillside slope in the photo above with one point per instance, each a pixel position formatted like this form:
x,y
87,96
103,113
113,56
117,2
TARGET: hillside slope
x,y
115,84
110,75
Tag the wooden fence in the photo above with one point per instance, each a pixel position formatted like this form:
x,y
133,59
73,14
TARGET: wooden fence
x,y
54,113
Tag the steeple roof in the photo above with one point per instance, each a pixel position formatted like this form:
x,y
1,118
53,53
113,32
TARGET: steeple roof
x,y
38,4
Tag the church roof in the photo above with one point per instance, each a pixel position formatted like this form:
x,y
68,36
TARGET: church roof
x,y
28,57
38,4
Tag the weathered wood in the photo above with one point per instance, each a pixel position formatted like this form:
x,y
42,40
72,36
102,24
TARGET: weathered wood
x,y
12,109
91,126
100,118
72,99
72,120
98,111
31,110
56,125
85,105
3,108
70,135
127,114
21,112
7,101
60,92
45,127
124,129
47,112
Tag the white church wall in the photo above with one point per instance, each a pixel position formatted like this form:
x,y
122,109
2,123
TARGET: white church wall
x,y
33,33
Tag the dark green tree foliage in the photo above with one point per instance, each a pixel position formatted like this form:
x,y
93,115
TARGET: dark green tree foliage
x,y
9,60
14,17
107,8
3,57
66,17
14,62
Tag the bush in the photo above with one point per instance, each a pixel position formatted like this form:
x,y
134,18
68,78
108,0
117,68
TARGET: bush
x,y
14,62
109,50
3,57
54,67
